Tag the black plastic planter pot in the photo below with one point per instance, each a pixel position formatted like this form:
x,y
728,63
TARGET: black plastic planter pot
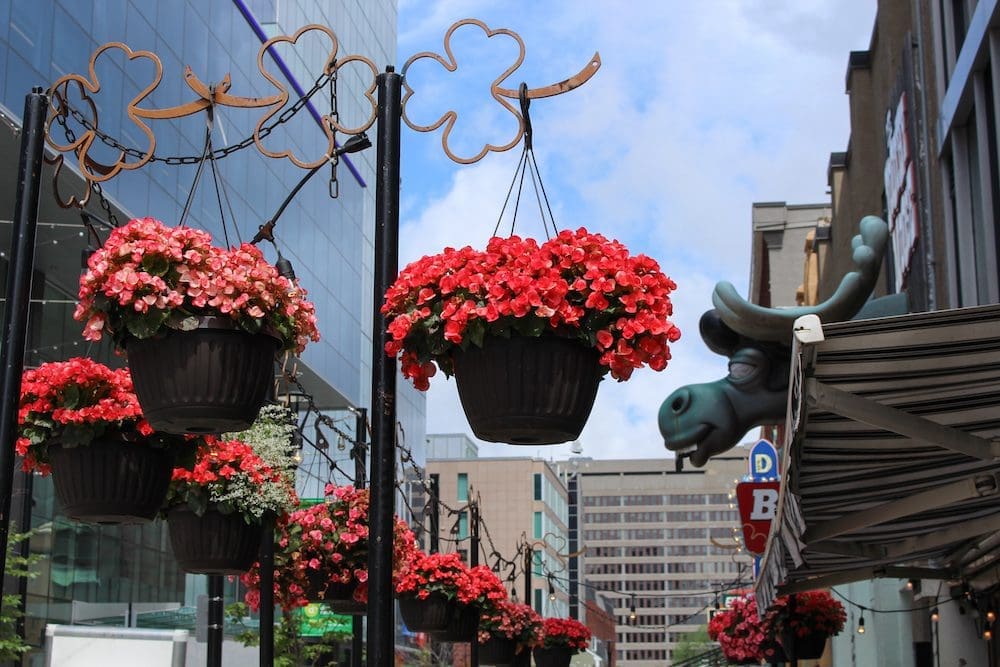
x,y
497,651
527,391
213,543
557,656
212,379
810,647
430,615
462,626
111,481
335,595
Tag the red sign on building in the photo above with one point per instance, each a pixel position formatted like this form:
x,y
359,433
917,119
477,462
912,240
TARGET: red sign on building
x,y
758,503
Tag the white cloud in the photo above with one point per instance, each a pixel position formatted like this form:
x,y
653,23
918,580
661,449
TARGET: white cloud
x,y
699,110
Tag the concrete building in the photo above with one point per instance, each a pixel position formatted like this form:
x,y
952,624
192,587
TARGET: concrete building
x,y
780,233
659,542
922,155
98,573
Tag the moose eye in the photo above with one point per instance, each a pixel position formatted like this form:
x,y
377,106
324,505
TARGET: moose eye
x,y
741,370
746,365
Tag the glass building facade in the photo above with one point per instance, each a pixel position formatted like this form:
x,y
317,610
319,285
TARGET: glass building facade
x,y
93,572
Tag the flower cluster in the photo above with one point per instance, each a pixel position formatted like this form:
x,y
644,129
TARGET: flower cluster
x,y
447,575
806,613
576,285
73,402
148,277
323,544
741,634
511,620
231,477
565,632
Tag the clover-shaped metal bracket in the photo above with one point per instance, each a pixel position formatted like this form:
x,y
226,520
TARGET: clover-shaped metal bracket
x,y
501,95
207,96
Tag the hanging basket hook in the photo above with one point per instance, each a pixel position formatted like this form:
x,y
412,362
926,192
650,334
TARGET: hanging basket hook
x,y
522,96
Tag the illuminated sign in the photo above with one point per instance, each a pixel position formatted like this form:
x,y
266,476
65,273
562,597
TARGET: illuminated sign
x,y
316,620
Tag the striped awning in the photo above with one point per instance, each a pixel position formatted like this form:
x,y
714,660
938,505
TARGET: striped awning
x,y
890,460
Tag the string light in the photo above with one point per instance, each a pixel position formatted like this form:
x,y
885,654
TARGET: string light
x,y
632,614
991,616
935,616
861,624
552,590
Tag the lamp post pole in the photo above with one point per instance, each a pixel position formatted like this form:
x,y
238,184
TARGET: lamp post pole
x,y
360,482
381,626
22,259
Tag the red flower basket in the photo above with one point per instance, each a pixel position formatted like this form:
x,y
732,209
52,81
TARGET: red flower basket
x,y
449,311
81,421
200,323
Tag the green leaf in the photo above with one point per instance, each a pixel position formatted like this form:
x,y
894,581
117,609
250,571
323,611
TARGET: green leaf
x,y
145,325
475,332
156,265
71,397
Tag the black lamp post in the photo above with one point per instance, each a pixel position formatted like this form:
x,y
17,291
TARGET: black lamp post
x,y
381,628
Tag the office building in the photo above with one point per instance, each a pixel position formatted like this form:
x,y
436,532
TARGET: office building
x,y
659,542
118,575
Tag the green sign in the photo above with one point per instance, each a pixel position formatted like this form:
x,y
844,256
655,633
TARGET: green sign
x,y
316,620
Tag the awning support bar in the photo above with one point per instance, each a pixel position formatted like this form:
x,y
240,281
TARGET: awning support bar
x,y
845,404
862,573
940,496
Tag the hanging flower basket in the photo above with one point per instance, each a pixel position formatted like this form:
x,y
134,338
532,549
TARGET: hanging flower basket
x,y
81,421
498,650
449,310
431,580
321,554
527,391
215,508
213,543
804,621
505,629
561,639
555,656
110,480
200,324
210,379
431,614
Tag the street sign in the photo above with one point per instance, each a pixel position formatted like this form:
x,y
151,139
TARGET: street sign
x,y
763,462
758,503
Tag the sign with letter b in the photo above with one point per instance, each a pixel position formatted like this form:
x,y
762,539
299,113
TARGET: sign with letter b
x,y
758,504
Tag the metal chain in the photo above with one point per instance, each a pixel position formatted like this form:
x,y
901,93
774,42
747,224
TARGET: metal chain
x,y
283,117
94,185
334,184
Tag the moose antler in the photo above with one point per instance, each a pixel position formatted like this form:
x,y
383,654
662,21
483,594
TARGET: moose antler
x,y
775,324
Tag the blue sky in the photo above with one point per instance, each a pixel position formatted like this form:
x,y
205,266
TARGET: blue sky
x,y
698,111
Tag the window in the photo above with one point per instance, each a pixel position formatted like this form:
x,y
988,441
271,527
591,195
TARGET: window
x,y
538,486
538,525
463,525
536,559
463,487
538,600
